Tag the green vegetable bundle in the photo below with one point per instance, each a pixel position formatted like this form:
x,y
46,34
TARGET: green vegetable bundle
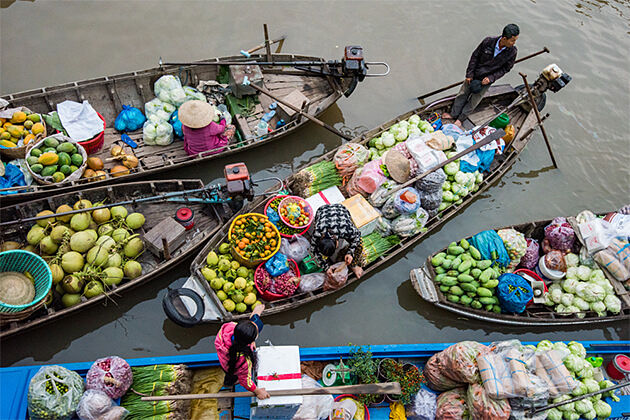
x,y
158,380
465,278
374,245
316,178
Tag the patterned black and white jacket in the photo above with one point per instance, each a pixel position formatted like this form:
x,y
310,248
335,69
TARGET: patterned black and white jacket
x,y
334,220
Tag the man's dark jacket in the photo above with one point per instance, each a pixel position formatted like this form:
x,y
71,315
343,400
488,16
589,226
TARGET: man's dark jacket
x,y
483,63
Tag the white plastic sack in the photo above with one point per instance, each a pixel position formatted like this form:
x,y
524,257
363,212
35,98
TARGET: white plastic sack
x,y
96,405
156,110
314,407
296,247
425,156
423,407
311,282
169,89
157,133
79,120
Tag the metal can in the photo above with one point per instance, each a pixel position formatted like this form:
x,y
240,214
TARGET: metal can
x,y
185,216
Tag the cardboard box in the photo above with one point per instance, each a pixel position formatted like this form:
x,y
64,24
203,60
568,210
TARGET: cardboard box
x,y
278,368
364,216
330,195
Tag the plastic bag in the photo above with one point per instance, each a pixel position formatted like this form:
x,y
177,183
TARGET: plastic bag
x,y
193,94
431,201
389,209
452,130
177,124
423,406
383,227
432,182
338,278
460,361
352,188
513,292
158,109
451,405
515,244
586,259
608,259
349,157
111,375
61,402
313,407
129,119
560,234
410,224
157,133
621,249
379,197
531,256
407,200
371,177
439,141
413,165
434,373
169,89
482,407
295,248
488,242
13,177
311,282
550,368
277,265
554,260
96,405
426,157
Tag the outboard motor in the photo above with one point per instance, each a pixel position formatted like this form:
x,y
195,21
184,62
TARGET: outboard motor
x,y
239,185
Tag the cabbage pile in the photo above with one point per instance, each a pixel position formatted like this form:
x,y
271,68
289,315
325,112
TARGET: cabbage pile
x,y
397,133
583,289
575,361
458,184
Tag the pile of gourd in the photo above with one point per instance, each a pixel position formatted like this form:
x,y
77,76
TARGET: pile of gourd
x,y
54,158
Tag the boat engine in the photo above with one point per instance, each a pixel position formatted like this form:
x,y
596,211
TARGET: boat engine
x,y
353,65
239,185
552,78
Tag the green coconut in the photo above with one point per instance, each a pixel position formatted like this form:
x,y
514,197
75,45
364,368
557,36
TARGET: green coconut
x,y
93,288
132,269
57,273
133,247
35,235
82,241
114,260
72,261
105,230
135,220
48,246
72,284
120,234
112,276
118,212
70,299
97,255
101,216
80,221
58,232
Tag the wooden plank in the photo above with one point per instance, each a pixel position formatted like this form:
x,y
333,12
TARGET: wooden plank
x,y
242,126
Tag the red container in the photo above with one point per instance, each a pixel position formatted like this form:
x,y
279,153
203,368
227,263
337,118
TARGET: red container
x,y
267,295
294,199
535,277
95,144
186,217
619,367
284,235
354,397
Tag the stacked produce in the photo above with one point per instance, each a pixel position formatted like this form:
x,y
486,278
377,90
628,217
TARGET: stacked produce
x,y
88,252
55,158
375,245
274,217
397,133
232,282
20,129
295,212
465,278
284,284
111,375
458,184
158,380
316,178
253,238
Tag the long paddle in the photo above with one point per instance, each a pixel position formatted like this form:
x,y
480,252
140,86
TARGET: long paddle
x,y
452,85
299,111
391,388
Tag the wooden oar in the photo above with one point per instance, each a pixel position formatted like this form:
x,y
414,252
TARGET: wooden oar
x,y
581,397
452,85
299,111
392,388
247,53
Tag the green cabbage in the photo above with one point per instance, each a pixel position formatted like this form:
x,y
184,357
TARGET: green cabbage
x,y
378,143
581,303
583,272
583,406
597,275
478,177
404,124
414,120
570,415
572,260
593,292
446,186
413,131
579,390
448,196
611,394
613,304
577,349
560,345
451,168
388,140
591,415
591,384
585,372
393,128
599,307
544,345
571,273
400,134
566,407
573,363
548,301
602,409
567,299
569,285
554,414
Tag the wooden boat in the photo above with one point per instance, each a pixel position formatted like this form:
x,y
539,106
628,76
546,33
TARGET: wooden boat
x,y
107,95
524,121
537,314
207,221
14,404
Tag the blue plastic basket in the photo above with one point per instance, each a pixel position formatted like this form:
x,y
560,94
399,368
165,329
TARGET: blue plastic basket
x,y
21,261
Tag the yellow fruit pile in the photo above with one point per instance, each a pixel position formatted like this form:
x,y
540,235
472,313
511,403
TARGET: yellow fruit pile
x,y
22,126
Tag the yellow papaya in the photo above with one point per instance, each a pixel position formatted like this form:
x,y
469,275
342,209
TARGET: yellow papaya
x,y
37,128
33,117
7,143
5,135
49,158
15,131
28,138
18,117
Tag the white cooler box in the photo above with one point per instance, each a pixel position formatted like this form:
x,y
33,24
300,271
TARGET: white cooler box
x,y
278,368
330,195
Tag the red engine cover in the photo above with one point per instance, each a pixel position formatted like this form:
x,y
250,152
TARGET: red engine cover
x,y
236,172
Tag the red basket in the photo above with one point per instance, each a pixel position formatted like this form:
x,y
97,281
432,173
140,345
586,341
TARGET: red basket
x,y
307,208
354,397
267,295
95,144
284,235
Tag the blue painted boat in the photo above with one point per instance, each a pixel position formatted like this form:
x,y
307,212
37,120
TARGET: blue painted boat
x,y
14,381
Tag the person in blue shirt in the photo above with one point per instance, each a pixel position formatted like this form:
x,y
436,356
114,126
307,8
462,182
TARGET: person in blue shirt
x,y
490,61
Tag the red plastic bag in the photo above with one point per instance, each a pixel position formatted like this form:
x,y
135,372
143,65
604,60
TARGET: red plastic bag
x,y
460,361
560,234
338,278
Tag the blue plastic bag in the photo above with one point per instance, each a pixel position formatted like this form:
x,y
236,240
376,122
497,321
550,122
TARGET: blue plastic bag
x,y
488,242
278,264
129,119
177,124
13,177
274,217
404,207
514,292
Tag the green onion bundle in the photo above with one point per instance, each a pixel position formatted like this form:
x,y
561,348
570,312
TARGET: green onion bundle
x,y
158,380
316,178
374,245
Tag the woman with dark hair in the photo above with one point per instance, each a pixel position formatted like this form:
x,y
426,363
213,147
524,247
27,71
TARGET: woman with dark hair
x,y
235,344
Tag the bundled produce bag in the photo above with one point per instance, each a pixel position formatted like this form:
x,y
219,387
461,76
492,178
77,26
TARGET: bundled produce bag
x,y
439,141
338,278
621,249
514,292
314,407
169,89
410,224
489,242
550,368
482,407
423,406
160,110
531,256
112,375
54,393
383,226
158,133
515,244
452,130
371,177
277,265
348,158
380,196
310,282
193,94
451,405
426,157
432,182
352,188
608,259
431,201
413,165
96,405
129,119
389,210
407,200
295,248
434,374
560,234
554,260
460,361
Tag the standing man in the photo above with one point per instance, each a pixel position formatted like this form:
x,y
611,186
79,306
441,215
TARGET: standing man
x,y
493,58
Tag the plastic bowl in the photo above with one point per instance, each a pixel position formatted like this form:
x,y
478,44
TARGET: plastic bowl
x,y
21,261
285,228
549,273
291,199
267,295
354,397
237,256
